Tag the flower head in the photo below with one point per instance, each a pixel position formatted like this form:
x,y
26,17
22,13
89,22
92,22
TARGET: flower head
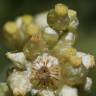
x,y
46,72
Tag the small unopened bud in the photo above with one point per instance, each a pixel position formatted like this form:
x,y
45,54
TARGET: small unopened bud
x,y
10,27
27,19
61,9
76,61
57,18
33,29
70,52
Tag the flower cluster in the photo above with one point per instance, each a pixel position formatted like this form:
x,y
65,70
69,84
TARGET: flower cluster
x,y
17,32
48,64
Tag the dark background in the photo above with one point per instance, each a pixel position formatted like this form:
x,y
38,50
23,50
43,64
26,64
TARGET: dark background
x,y
10,9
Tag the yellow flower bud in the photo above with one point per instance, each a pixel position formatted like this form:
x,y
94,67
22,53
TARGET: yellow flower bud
x,y
32,29
76,61
57,18
70,52
61,9
27,19
10,27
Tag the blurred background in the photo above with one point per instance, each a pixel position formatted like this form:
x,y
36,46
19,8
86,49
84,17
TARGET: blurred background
x,y
86,9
